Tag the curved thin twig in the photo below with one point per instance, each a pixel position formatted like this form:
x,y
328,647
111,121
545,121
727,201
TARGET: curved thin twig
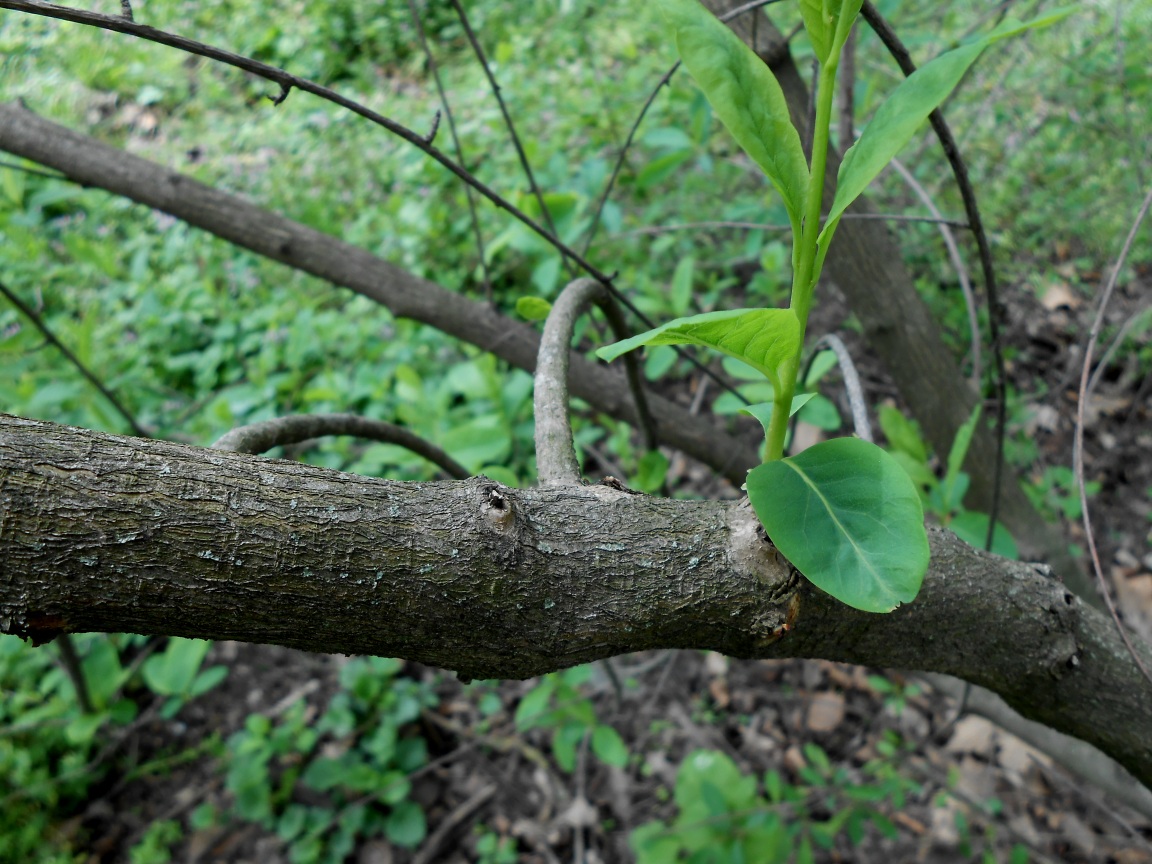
x,y
957,264
852,384
262,437
964,184
860,423
31,315
555,454
1078,441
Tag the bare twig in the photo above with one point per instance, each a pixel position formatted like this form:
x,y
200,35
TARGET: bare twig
x,y
1078,441
430,850
1131,322
75,671
644,418
31,315
469,195
555,455
964,184
957,264
623,155
261,437
478,50
852,385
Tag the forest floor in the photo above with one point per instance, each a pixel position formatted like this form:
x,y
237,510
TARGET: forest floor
x,y
973,791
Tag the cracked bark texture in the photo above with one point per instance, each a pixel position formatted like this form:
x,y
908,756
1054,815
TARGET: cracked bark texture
x,y
103,533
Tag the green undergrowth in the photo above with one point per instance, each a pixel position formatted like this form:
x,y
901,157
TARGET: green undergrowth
x,y
196,337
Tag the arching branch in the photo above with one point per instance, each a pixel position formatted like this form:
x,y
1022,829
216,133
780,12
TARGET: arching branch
x,y
261,437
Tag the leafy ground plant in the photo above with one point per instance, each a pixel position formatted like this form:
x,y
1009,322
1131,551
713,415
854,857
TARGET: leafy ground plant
x,y
722,817
351,765
556,703
843,512
943,497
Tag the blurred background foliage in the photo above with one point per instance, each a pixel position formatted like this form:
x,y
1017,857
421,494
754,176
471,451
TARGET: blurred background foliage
x,y
196,337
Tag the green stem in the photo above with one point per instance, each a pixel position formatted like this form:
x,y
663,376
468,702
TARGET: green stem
x,y
804,276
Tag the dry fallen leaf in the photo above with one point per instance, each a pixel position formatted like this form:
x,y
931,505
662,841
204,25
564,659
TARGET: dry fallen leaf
x,y
825,712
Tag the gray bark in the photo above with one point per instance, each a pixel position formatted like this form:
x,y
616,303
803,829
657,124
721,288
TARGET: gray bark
x,y
103,533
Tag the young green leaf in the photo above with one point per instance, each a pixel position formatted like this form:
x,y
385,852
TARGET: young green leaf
x,y
902,113
956,456
745,96
533,308
972,528
819,29
762,338
847,517
827,23
902,434
762,411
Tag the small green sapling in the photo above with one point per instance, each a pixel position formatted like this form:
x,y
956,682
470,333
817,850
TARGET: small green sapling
x,y
844,512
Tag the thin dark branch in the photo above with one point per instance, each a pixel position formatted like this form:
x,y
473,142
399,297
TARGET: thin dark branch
x,y
623,155
620,330
434,68
29,313
1078,441
262,437
478,50
556,463
960,171
75,670
431,136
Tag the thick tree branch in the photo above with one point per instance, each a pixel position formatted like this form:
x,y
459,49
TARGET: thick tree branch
x,y
104,533
92,163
